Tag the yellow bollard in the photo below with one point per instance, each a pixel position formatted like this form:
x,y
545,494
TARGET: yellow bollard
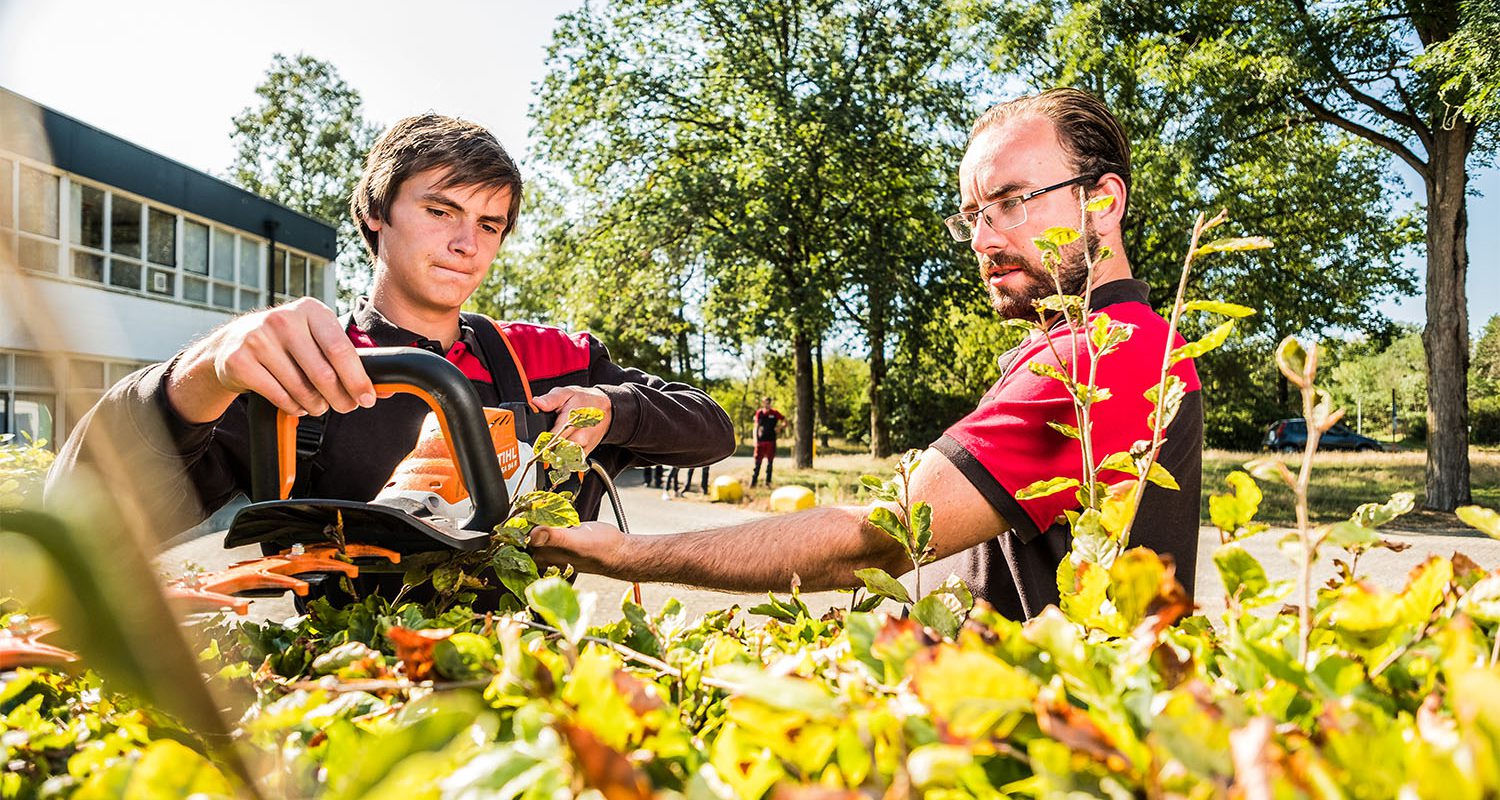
x,y
793,498
726,490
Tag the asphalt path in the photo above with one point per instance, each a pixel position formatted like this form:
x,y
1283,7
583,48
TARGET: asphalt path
x,y
648,511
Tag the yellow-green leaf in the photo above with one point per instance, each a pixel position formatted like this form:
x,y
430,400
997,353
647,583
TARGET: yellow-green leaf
x,y
1046,487
1218,307
1099,203
1213,339
1482,519
1234,245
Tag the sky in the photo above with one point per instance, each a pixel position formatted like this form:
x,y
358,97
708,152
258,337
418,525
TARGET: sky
x,y
170,74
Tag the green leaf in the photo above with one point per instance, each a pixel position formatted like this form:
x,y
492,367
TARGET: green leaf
x,y
515,568
1176,391
1065,429
1232,512
547,508
558,604
921,526
1349,534
1482,601
879,489
1211,340
1242,574
932,612
1105,254
1217,307
1071,303
879,582
1482,519
887,521
1099,203
1324,415
1373,515
1099,334
1292,360
1160,476
1046,487
1234,245
1119,462
586,417
1091,394
1046,370
165,768
564,455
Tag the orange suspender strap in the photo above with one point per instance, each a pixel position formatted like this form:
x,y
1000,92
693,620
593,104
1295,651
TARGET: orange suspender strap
x,y
515,359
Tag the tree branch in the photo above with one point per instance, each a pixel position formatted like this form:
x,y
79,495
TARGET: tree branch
x,y
1389,143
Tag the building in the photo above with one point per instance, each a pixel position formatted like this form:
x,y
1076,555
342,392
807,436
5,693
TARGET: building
x,y
129,255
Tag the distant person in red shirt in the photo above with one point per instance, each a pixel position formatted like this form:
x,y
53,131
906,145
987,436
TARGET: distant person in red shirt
x,y
768,423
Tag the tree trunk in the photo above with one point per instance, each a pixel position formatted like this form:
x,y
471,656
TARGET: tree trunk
x,y
822,420
802,442
880,440
1446,337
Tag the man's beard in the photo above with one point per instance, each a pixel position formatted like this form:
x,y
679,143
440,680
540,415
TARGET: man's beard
x,y
1020,302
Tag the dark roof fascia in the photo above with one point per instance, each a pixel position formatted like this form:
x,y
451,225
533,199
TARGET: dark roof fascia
x,y
40,133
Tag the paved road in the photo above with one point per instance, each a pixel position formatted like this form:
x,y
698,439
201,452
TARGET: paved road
x,y
648,512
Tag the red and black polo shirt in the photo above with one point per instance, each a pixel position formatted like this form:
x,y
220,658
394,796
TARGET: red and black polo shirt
x,y
1005,445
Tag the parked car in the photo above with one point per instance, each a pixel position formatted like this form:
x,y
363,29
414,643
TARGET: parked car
x,y
1290,435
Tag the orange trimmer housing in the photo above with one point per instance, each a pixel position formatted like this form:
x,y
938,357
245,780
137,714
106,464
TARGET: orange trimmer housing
x,y
463,456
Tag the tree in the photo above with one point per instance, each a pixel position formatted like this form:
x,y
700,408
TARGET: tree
x,y
303,144
1356,66
723,135
1364,374
1321,195
1484,380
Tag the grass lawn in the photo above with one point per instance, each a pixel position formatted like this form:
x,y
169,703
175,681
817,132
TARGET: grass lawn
x,y
1340,482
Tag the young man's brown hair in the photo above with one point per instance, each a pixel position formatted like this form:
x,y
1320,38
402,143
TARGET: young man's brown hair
x,y
470,154
1091,136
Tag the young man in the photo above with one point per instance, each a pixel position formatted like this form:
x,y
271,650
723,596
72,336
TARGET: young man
x,y
768,423
1029,164
437,198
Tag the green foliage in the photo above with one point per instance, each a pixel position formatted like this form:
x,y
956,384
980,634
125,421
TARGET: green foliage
x,y
303,144
1363,374
786,184
23,469
1467,65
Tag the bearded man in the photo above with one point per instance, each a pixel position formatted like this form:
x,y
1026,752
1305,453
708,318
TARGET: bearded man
x,y
1030,165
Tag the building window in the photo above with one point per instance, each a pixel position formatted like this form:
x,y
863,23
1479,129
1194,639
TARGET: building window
x,y
88,216
36,255
39,202
125,227
315,270
252,263
30,397
223,262
7,194
161,233
87,231
195,247
69,226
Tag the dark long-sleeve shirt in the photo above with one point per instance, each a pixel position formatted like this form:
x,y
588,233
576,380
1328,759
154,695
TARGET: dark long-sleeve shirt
x,y
654,421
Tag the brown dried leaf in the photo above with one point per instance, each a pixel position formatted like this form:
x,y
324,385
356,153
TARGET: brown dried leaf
x,y
603,767
1072,726
414,649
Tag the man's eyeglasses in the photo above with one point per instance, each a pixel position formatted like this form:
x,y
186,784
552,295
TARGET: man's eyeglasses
x,y
1005,213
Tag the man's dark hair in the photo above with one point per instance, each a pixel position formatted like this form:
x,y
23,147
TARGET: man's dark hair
x,y
470,155
1091,136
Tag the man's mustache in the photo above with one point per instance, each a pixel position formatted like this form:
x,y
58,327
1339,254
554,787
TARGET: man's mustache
x,y
989,264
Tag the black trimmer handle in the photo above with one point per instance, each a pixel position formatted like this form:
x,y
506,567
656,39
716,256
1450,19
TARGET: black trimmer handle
x,y
394,370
